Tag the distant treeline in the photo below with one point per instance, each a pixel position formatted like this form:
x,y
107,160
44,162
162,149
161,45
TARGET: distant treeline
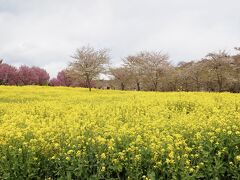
x,y
147,71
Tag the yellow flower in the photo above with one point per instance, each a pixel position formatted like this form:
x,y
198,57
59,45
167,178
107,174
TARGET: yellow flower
x,y
78,153
114,161
70,152
103,168
56,145
168,161
238,158
138,157
191,170
119,128
53,157
171,155
188,149
103,156
185,155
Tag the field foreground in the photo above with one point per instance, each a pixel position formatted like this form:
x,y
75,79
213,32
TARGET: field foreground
x,y
70,133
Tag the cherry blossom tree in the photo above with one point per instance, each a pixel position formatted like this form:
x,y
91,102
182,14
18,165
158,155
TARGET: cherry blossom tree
x,y
8,75
42,76
33,76
54,82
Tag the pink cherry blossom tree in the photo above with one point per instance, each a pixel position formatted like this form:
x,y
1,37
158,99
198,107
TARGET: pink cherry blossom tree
x,y
8,75
54,82
42,77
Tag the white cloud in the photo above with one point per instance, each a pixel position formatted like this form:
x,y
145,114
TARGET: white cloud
x,y
46,32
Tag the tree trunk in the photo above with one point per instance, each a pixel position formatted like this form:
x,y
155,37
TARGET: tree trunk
x,y
122,87
88,83
238,85
186,86
198,85
219,80
138,86
155,86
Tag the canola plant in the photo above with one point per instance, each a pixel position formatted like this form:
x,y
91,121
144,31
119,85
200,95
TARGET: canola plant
x,y
70,133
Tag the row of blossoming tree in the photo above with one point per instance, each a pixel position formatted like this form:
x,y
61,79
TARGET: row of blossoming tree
x,y
153,71
149,71
24,75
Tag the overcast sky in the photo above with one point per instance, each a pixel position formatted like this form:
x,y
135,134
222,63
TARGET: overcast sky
x,y
46,33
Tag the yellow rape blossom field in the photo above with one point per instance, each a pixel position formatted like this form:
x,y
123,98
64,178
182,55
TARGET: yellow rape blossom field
x,y
70,133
